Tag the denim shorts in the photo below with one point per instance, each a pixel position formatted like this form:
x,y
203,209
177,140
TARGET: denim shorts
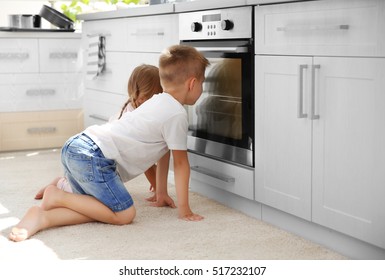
x,y
90,173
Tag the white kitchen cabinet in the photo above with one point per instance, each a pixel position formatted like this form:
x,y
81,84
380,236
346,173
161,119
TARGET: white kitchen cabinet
x,y
130,42
40,88
348,188
282,140
152,33
320,117
119,66
328,27
324,165
19,55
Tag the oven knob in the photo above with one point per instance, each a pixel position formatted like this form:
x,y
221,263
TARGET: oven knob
x,y
196,27
227,24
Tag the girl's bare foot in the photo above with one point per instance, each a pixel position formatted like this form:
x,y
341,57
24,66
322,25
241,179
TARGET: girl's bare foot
x,y
40,193
51,197
31,223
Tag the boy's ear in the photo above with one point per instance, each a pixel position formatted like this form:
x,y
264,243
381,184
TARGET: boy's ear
x,y
191,83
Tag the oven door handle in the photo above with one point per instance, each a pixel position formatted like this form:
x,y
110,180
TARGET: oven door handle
x,y
223,49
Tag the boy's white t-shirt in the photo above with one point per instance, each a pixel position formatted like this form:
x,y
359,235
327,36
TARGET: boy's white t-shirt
x,y
140,138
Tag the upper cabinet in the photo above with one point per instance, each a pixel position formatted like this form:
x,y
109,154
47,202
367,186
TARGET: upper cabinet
x,y
327,27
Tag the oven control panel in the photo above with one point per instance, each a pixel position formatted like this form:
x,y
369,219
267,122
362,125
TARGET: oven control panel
x,y
232,23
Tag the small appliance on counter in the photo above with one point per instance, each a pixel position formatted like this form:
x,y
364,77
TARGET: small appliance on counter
x,y
32,23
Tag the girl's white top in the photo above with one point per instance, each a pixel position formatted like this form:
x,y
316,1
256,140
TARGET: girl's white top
x,y
140,138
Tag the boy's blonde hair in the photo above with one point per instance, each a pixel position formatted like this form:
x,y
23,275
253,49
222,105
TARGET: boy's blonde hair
x,y
179,62
144,81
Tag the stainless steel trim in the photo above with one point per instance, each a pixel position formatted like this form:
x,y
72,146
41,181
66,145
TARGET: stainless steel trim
x,y
219,151
301,114
213,174
223,49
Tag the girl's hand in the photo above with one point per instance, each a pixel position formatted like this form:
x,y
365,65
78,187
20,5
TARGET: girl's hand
x,y
163,201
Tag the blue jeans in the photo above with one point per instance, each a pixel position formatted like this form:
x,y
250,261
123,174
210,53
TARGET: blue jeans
x,y
90,173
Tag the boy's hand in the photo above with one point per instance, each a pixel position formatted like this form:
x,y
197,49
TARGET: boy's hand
x,y
191,217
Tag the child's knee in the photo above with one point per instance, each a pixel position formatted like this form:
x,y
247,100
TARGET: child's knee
x,y
126,217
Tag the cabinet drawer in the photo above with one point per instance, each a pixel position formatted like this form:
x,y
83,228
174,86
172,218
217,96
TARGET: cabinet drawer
x,y
114,30
152,34
222,175
37,130
321,28
59,55
36,92
101,106
19,56
119,66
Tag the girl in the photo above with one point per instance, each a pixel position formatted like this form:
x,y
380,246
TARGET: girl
x,y
143,83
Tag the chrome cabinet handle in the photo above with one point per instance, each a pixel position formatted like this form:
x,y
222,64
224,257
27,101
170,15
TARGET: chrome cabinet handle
x,y
301,114
313,116
63,55
313,27
213,174
39,130
148,33
99,117
20,56
37,92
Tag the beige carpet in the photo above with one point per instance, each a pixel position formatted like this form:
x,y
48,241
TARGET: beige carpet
x,y
156,233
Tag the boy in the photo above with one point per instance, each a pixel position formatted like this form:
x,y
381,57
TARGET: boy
x,y
134,143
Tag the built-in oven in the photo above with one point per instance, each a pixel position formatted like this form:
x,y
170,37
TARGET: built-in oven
x,y
221,123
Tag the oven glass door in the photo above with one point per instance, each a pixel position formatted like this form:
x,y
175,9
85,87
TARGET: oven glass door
x,y
221,122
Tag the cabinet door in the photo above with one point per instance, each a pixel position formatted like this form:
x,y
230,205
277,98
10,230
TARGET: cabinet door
x,y
282,138
119,66
19,56
59,55
152,33
349,147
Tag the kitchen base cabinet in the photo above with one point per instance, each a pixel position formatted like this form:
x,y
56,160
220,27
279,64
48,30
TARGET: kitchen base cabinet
x,y
348,187
40,89
320,114
320,138
38,130
282,139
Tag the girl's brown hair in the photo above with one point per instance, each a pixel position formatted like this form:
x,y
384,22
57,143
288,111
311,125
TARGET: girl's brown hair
x,y
144,81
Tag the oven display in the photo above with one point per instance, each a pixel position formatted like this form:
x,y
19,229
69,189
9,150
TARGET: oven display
x,y
212,17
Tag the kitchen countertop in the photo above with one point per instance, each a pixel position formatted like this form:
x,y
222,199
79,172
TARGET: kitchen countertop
x,y
177,7
199,5
132,11
39,34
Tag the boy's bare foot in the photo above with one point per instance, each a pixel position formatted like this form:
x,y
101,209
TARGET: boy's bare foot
x,y
31,223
